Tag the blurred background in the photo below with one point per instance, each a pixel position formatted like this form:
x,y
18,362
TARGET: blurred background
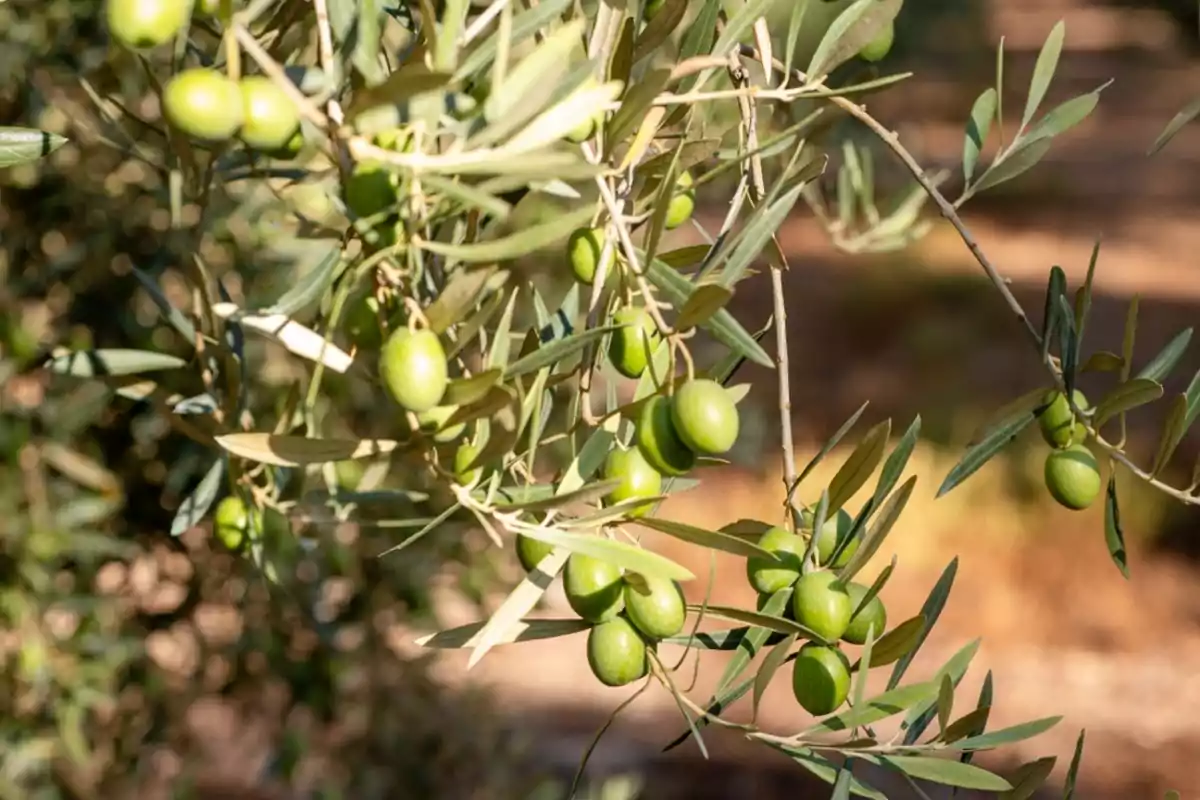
x,y
141,664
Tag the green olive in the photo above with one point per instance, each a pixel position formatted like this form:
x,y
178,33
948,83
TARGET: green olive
x,y
705,417
361,321
682,203
413,368
631,347
658,440
768,577
637,478
464,456
235,523
434,420
655,606
371,189
594,588
873,614
269,117
203,103
820,678
1073,477
821,604
616,652
880,46
585,247
1058,424
651,9
142,24
530,552
839,525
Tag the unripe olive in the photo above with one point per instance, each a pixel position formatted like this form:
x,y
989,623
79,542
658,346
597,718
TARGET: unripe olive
x,y
1073,477
837,525
880,46
142,24
530,552
370,189
203,103
659,441
464,456
872,615
236,523
705,417
1059,426
585,247
655,606
269,117
594,588
434,420
768,577
361,321
682,203
631,347
821,604
616,652
413,367
637,477
820,678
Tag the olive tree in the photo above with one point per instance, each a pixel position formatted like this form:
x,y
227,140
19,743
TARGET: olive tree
x,y
488,186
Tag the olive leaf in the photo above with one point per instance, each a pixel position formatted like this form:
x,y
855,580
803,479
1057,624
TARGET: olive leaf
x,y
882,706
930,611
947,773
196,504
1114,534
23,145
294,451
858,468
526,630
712,540
112,361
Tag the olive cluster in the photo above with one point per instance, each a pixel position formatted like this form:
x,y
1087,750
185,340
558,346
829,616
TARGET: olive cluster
x,y
629,612
204,103
1072,474
827,606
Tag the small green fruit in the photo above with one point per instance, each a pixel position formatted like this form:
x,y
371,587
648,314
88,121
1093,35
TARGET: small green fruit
x,y
873,614
651,9
142,24
464,456
269,117
820,678
203,103
880,46
413,368
821,604
655,606
682,204
584,250
839,525
370,190
235,523
594,588
1073,477
768,577
1058,425
616,652
530,552
434,421
705,417
583,131
658,440
637,477
631,347
361,322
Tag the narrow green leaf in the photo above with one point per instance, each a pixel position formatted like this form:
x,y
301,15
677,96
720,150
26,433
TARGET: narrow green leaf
x,y
676,289
754,237
947,773
1173,431
858,468
634,104
1183,117
894,466
23,145
515,245
945,702
555,352
458,297
592,491
1129,395
833,442
1006,736
309,287
1103,361
879,530
983,112
1029,777
852,30
528,630
882,706
841,787
294,451
711,540
1162,364
632,558
1043,70
930,610
896,643
983,710
1083,303
966,725
707,300
197,504
1129,337
824,769
771,664
524,25
1073,771
779,624
1065,116
995,440
729,639
919,717
507,620
1018,161
1056,286
112,362
659,29
1114,535
173,315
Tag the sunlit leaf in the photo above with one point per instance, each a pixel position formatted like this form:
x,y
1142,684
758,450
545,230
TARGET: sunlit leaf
x,y
23,145
527,630
112,361
947,772
294,451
